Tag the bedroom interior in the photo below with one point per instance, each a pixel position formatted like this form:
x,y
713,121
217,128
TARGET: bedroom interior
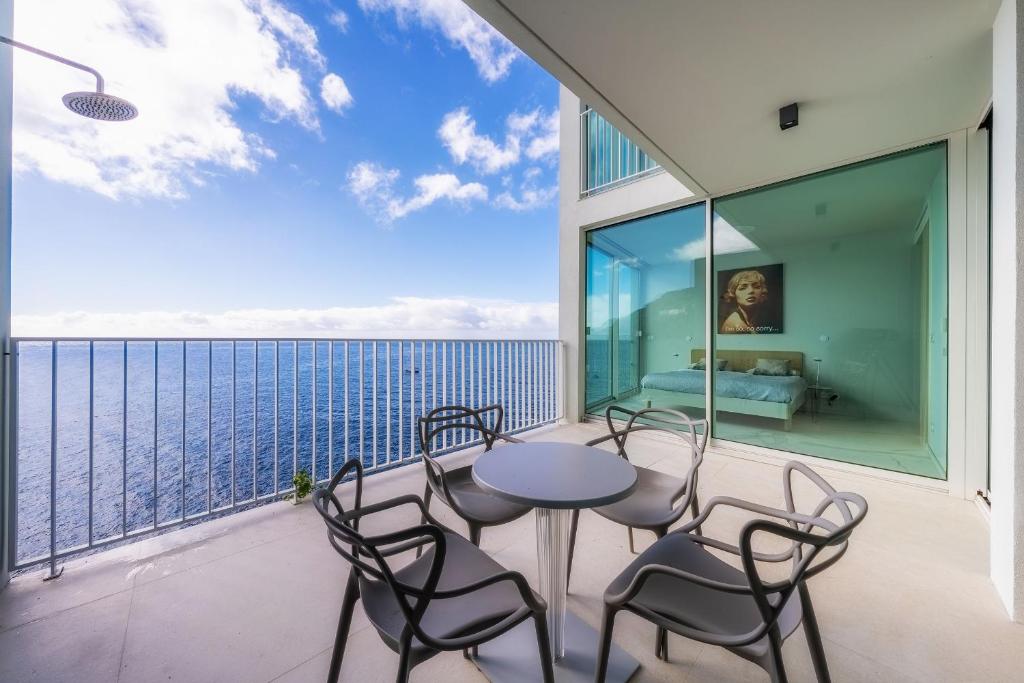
x,y
842,274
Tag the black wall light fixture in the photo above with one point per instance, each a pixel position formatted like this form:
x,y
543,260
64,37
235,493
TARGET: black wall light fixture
x,y
789,116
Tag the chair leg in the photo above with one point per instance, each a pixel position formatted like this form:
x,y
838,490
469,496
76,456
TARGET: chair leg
x,y
631,540
572,544
404,657
540,621
348,605
695,511
474,534
773,659
607,625
427,494
661,637
814,643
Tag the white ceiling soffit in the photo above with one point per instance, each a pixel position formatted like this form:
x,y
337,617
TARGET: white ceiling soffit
x,y
698,84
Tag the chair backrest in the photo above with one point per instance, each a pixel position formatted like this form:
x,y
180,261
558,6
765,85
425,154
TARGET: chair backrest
x,y
815,541
367,555
484,423
664,420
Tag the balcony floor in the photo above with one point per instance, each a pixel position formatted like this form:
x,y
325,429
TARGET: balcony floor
x,y
255,596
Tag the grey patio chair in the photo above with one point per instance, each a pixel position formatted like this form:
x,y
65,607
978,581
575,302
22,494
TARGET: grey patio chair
x,y
454,597
660,499
456,486
680,586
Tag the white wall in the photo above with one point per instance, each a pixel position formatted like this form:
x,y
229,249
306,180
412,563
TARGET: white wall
x,y
6,21
574,214
1007,348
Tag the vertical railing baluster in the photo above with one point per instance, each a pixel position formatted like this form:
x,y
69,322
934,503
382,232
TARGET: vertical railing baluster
x,y
209,426
330,409
124,438
444,388
423,377
92,428
362,367
53,462
234,430
433,375
312,461
184,372
346,403
472,387
277,415
156,412
295,411
373,399
412,398
387,403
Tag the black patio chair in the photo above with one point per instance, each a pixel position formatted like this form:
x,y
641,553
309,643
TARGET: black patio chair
x,y
660,499
679,585
456,486
453,597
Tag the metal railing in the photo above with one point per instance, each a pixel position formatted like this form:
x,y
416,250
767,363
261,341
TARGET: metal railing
x,y
607,157
113,439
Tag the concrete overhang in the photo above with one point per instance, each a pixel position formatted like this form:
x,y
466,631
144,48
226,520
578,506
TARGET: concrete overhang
x,y
699,84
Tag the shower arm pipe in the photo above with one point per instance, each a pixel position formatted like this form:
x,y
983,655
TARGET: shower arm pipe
x,y
56,58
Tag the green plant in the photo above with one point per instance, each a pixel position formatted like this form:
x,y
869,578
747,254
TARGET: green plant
x,y
303,484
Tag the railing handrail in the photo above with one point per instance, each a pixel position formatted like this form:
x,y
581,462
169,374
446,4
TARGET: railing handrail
x,y
16,339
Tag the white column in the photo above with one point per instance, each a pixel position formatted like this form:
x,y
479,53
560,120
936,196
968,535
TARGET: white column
x,y
1007,346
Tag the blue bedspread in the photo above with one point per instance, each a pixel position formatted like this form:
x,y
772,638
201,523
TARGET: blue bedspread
x,y
730,384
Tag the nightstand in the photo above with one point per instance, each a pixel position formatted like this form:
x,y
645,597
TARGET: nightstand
x,y
814,394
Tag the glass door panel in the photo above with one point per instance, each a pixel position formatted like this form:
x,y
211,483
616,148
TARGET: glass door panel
x,y
645,313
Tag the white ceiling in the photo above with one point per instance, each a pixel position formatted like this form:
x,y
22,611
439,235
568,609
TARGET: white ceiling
x,y
699,84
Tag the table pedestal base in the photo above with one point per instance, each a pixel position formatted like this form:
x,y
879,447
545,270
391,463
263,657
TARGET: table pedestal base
x,y
514,658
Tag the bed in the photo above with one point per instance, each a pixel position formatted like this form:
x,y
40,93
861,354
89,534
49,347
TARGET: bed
x,y
736,391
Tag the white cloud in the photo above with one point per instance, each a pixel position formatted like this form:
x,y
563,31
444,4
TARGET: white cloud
x,y
184,63
546,141
292,27
401,317
492,53
339,20
334,93
531,195
459,136
374,188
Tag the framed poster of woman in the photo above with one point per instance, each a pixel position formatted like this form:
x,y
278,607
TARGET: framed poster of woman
x,y
750,300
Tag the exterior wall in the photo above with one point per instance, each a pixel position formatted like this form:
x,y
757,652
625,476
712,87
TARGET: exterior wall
x,y
645,195
6,78
1007,349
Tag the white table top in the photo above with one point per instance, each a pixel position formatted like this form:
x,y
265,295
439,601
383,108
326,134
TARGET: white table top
x,y
555,475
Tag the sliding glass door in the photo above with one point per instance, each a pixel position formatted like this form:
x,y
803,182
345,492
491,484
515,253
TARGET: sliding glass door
x,y
645,312
830,314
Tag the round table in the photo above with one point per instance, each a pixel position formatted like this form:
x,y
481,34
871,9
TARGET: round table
x,y
556,479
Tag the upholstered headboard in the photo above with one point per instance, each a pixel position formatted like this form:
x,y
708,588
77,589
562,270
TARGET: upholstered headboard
x,y
740,361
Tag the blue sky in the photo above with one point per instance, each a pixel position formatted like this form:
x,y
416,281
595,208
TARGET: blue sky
x,y
421,202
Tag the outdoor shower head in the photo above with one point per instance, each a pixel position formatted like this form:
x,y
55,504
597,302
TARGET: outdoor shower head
x,y
100,106
96,105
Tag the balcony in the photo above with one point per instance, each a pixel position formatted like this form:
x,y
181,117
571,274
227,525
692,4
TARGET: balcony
x,y
608,158
255,596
